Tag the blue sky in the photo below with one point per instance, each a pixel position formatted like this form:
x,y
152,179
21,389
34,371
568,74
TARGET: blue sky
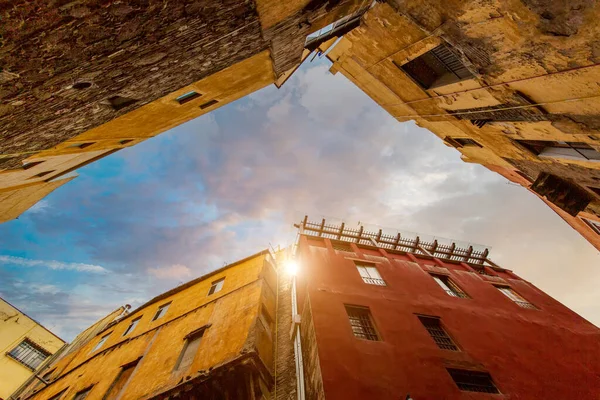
x,y
233,182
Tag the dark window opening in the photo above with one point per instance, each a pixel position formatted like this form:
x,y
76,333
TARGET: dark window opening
x,y
29,354
81,145
341,246
437,332
190,348
41,174
81,85
473,381
120,102
559,149
362,323
124,374
525,176
31,164
467,142
125,141
451,288
370,274
216,286
189,96
208,104
438,67
82,394
564,193
58,395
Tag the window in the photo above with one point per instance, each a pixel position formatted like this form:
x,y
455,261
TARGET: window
x,y
125,141
362,323
132,326
449,286
593,224
437,332
438,67
81,145
216,286
119,102
466,142
189,96
29,354
473,381
101,342
115,388
31,164
58,395
190,348
162,310
266,319
82,394
559,149
41,174
370,275
341,246
511,294
208,104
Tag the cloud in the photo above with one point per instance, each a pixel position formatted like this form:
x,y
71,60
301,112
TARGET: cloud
x,y
175,271
55,265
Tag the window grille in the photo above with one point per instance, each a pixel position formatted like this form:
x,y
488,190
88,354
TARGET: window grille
x,y
473,381
341,246
449,286
162,310
437,332
370,275
361,323
29,354
438,67
216,286
132,326
520,301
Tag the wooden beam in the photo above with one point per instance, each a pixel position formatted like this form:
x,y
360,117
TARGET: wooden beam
x,y
341,231
360,232
397,241
322,227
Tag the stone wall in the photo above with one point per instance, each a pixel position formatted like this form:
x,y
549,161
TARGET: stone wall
x,y
285,374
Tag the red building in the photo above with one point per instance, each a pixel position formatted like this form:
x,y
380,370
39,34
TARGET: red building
x,y
394,317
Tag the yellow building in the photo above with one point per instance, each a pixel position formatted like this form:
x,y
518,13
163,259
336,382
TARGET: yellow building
x,y
24,346
211,336
512,86
125,92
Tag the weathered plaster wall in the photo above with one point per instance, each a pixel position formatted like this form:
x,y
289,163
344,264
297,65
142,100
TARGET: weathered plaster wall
x,y
232,314
14,328
548,77
550,352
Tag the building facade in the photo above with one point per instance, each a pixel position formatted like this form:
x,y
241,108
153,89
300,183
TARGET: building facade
x,y
390,316
212,337
512,86
128,72
24,345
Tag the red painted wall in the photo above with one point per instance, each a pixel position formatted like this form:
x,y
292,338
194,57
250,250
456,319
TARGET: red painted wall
x,y
550,353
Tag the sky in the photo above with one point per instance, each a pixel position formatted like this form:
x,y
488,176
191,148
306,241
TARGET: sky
x,y
233,182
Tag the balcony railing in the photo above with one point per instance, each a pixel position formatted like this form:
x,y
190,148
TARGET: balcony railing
x,y
374,281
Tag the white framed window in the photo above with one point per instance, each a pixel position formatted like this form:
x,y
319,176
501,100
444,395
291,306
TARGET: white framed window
x,y
451,288
370,274
132,326
592,224
216,286
514,296
162,310
101,342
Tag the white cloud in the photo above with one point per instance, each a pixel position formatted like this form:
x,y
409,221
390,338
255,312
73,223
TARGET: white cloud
x,y
52,264
175,271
